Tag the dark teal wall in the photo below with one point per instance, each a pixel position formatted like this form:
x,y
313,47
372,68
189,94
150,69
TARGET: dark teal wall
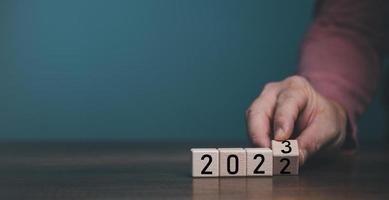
x,y
142,69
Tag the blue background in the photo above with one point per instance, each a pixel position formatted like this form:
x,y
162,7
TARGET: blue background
x,y
145,69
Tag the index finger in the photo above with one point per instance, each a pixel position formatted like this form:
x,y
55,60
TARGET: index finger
x,y
259,115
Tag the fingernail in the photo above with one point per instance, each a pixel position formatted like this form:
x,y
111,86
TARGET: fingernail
x,y
279,133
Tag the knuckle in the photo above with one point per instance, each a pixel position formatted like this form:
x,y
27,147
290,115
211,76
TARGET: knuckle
x,y
292,97
270,86
248,112
297,81
286,94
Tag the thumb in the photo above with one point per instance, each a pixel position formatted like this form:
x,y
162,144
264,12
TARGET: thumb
x,y
289,105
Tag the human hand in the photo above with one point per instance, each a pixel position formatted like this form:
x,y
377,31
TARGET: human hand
x,y
292,108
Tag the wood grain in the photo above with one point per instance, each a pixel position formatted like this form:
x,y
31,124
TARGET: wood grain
x,y
160,170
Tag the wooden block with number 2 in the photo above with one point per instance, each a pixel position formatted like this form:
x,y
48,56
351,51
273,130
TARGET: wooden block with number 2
x,y
285,157
205,162
259,161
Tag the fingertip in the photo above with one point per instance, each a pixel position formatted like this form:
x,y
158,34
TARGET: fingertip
x,y
266,143
283,124
258,129
263,143
280,134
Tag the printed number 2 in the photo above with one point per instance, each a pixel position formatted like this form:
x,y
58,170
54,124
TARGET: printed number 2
x,y
286,166
256,170
204,171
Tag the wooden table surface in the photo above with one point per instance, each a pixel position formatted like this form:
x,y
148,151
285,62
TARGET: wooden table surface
x,y
158,170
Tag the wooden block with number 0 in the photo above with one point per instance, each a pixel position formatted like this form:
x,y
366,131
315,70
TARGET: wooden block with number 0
x,y
259,161
232,162
205,162
285,157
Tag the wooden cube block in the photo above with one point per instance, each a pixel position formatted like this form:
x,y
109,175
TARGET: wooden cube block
x,y
285,157
259,161
205,162
232,162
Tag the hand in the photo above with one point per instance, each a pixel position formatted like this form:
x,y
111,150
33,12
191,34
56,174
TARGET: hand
x,y
292,108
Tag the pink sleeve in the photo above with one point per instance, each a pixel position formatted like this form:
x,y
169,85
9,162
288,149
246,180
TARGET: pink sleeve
x,y
341,54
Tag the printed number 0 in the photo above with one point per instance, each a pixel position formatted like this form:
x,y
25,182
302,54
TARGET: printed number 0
x,y
204,171
229,164
256,170
287,146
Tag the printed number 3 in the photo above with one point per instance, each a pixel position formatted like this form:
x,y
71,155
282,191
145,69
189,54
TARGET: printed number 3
x,y
289,148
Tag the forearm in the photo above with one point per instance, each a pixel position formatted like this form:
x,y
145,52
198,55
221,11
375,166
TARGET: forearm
x,y
341,52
